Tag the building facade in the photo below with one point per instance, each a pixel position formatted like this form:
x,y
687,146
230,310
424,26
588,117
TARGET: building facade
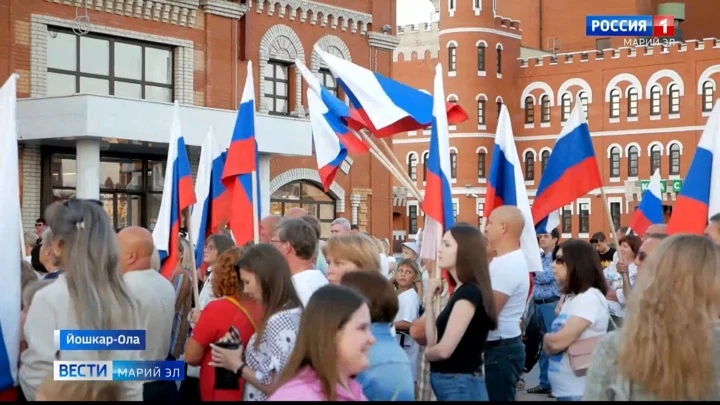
x,y
646,105
98,79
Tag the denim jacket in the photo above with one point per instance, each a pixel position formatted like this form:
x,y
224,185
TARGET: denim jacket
x,y
389,377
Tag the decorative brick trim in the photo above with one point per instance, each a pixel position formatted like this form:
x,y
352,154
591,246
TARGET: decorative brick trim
x,y
337,16
312,175
183,55
281,43
224,8
332,45
176,12
383,41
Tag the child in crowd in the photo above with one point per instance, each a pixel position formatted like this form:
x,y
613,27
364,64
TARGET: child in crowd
x,y
406,275
51,390
411,251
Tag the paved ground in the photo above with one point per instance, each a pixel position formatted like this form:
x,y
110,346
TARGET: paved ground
x,y
531,380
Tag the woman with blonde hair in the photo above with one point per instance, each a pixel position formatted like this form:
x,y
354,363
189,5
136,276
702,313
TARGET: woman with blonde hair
x,y
90,294
182,281
351,252
669,347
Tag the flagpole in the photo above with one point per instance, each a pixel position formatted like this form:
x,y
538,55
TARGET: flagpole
x,y
608,215
398,165
255,204
191,234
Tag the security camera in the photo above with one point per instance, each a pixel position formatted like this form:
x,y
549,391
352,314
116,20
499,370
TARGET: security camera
x,y
386,29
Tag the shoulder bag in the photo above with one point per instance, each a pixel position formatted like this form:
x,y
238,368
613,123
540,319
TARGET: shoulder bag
x,y
581,351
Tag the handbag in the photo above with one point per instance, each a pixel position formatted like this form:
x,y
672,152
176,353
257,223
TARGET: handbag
x,y
580,353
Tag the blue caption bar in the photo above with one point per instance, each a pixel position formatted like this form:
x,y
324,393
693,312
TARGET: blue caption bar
x,y
118,370
619,26
100,339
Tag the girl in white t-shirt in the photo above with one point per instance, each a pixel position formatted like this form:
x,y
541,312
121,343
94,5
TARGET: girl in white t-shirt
x,y
406,274
584,314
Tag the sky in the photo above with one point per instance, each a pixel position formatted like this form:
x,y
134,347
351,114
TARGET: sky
x,y
413,11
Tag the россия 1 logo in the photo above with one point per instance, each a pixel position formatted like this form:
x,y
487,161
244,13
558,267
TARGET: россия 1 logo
x,y
630,26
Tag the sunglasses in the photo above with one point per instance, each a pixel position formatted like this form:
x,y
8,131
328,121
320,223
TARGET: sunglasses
x,y
594,241
559,260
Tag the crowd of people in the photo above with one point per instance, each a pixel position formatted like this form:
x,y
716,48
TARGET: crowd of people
x,y
298,318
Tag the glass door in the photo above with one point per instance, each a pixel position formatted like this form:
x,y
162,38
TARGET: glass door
x,y
128,210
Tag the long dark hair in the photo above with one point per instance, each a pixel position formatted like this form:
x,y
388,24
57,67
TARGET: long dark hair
x,y
274,277
472,267
584,270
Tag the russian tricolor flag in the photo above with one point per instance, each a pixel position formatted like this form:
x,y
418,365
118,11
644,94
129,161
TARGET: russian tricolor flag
x,y
335,111
571,172
330,153
650,210
437,203
240,167
213,205
387,107
699,198
507,187
178,194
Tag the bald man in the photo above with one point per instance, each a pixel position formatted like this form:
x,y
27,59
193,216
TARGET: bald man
x,y
295,212
647,247
156,298
655,229
268,226
504,349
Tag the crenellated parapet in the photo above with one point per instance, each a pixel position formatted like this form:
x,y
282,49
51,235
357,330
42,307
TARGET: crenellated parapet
x,y
417,42
412,28
655,52
507,24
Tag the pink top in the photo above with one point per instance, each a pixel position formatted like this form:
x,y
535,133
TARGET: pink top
x,y
306,386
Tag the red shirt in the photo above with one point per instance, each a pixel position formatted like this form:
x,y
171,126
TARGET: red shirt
x,y
214,323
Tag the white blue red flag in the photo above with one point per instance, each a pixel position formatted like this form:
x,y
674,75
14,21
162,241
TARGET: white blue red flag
x,y
650,210
241,165
329,152
699,198
571,172
213,202
506,186
178,194
11,252
384,106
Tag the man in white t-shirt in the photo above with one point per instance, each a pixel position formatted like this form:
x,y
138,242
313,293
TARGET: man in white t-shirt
x,y
297,241
510,278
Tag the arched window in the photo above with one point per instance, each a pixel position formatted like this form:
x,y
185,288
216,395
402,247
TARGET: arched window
x,y
674,159
674,98
529,166
655,94
481,111
565,107
544,157
412,166
425,162
452,58
545,108
453,165
481,164
499,60
632,102
584,102
309,196
707,96
615,162
529,110
481,57
655,158
633,161
615,103
499,107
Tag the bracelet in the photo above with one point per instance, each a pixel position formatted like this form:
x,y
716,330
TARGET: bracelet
x,y
240,370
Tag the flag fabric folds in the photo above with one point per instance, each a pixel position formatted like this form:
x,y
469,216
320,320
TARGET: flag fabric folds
x,y
437,204
329,152
335,112
241,165
11,253
650,210
385,106
213,204
699,198
178,194
570,173
506,186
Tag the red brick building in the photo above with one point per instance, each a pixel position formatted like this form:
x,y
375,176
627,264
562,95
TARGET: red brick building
x,y
645,106
97,79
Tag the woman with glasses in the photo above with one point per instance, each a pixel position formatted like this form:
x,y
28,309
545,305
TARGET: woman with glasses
x,y
584,314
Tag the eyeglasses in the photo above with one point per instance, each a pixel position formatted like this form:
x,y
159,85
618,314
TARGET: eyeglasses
x,y
559,260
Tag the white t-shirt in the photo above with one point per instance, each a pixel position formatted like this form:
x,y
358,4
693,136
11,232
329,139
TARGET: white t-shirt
x,y
591,306
384,265
509,275
307,282
409,311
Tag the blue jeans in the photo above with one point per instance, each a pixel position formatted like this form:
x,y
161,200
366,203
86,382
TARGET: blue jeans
x,y
568,399
458,387
504,362
546,316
